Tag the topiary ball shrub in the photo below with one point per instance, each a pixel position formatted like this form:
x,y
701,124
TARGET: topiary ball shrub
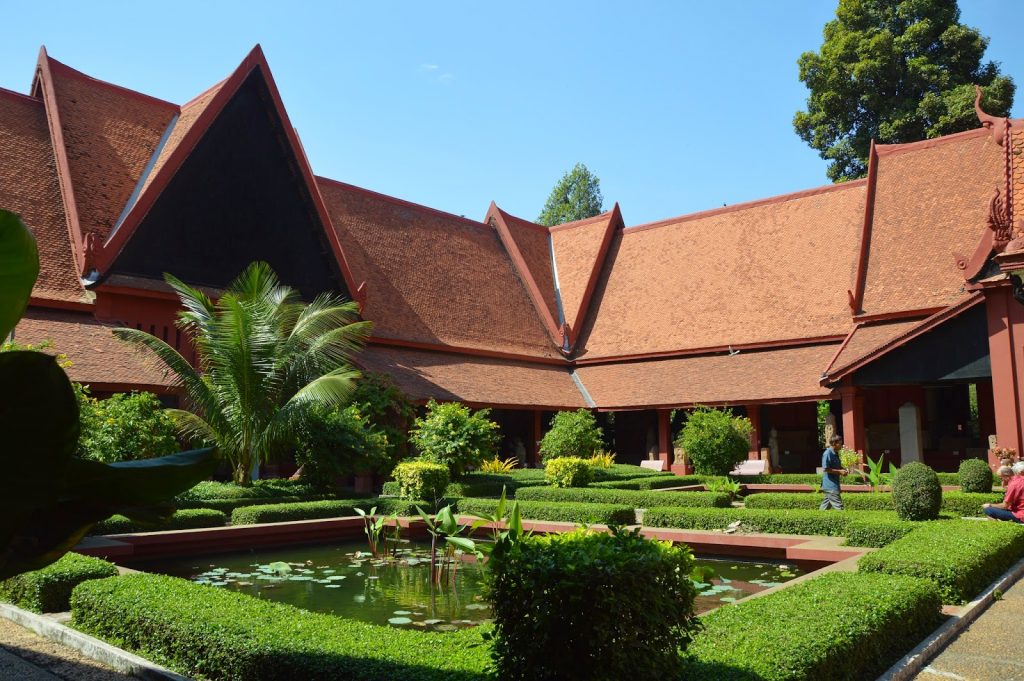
x,y
421,479
916,492
582,606
715,440
573,433
568,471
975,476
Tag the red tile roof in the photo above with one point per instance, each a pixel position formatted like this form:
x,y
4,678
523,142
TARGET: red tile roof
x,y
29,187
864,339
756,376
97,358
433,277
765,271
475,380
534,243
931,202
109,135
578,248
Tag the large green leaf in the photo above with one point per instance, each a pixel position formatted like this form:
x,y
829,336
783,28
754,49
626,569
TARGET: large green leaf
x,y
142,483
19,267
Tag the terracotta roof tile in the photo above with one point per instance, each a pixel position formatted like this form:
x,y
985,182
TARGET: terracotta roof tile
x,y
433,277
1017,173
29,187
110,134
534,242
771,270
97,358
863,339
931,202
577,245
476,380
766,375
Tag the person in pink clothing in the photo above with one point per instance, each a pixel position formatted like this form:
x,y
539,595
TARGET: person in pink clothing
x,y
1012,508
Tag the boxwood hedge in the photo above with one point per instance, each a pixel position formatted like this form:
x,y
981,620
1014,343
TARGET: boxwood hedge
x,y
634,499
839,626
581,513
226,496
48,589
211,633
625,471
650,482
185,519
954,503
961,556
312,510
877,532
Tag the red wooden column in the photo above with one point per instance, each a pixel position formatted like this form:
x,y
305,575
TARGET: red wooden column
x,y
536,435
754,414
665,438
1005,337
853,416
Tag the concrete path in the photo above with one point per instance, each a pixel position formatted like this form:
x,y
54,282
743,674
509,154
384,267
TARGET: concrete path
x,y
25,656
989,649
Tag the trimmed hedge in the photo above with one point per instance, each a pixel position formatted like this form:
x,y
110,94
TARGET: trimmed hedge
x,y
634,499
420,479
650,482
839,626
227,496
308,510
954,503
917,492
877,532
769,521
967,504
975,476
48,589
568,471
186,519
961,556
207,632
626,471
583,513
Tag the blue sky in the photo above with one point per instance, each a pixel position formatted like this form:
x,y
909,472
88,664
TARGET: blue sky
x,y
676,106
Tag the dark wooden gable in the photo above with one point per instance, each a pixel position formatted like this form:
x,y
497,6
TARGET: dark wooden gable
x,y
238,197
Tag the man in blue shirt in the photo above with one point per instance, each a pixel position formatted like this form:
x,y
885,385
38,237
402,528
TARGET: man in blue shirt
x,y
831,469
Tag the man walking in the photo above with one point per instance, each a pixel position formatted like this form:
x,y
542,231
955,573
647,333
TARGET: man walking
x,y
831,469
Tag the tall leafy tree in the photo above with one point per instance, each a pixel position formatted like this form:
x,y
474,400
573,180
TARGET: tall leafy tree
x,y
896,71
264,356
576,196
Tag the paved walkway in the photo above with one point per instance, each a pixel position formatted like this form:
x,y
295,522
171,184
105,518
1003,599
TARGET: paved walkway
x,y
26,656
989,649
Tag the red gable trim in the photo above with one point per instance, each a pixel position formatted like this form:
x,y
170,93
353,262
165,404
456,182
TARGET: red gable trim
x,y
614,223
5,92
254,60
790,343
857,295
924,327
729,403
890,149
901,314
497,217
460,350
44,85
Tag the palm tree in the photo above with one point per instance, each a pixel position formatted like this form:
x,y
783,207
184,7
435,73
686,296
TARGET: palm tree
x,y
263,355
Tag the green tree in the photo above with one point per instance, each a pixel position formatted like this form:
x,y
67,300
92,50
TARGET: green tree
x,y
264,356
450,434
894,71
572,433
577,196
123,427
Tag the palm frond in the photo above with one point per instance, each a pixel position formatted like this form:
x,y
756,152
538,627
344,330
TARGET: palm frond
x,y
191,427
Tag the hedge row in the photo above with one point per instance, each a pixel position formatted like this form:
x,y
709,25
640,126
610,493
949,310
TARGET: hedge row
x,y
580,513
954,503
186,519
650,482
226,496
961,556
48,589
775,521
839,626
634,499
312,510
625,471
468,488
207,632
877,532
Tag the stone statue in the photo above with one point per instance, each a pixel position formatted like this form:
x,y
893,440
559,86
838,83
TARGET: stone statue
x,y
773,448
830,429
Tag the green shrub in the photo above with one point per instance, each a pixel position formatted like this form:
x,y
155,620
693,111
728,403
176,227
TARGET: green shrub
x,y
634,499
48,589
211,633
768,521
568,471
582,606
572,434
876,533
124,427
715,440
186,519
479,488
305,510
452,435
916,492
332,442
649,482
839,626
975,476
390,410
628,471
420,479
581,514
961,556
227,496
967,504
954,503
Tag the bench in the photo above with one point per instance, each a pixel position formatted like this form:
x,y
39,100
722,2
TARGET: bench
x,y
749,467
655,465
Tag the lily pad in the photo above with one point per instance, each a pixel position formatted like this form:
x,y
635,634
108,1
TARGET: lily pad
x,y
402,612
399,620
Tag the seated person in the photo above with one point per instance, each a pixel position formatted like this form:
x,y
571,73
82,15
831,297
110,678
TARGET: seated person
x,y
1005,474
1012,508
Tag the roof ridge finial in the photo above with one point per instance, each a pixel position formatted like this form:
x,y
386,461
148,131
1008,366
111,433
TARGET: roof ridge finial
x,y
988,121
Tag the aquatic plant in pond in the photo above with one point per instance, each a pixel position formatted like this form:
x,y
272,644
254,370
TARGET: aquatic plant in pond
x,y
727,581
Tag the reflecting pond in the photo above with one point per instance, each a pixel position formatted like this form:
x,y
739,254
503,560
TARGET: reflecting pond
x,y
344,579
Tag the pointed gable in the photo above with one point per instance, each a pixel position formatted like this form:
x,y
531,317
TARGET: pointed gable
x,y
579,250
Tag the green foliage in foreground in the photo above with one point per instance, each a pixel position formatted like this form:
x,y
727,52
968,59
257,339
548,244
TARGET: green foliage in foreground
x,y
839,626
635,499
48,589
185,519
583,606
962,557
209,633
954,503
580,513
